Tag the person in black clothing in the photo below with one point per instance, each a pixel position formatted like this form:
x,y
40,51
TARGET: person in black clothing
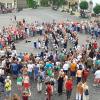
x,y
13,46
7,67
60,85
76,43
2,81
92,53
46,43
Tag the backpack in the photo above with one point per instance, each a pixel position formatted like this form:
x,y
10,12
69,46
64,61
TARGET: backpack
x,y
86,92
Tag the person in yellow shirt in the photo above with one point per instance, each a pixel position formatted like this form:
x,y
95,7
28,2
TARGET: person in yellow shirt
x,y
73,68
8,88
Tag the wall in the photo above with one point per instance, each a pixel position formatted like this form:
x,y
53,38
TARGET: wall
x,y
8,1
21,4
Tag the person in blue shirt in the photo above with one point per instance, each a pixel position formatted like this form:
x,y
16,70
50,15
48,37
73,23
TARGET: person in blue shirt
x,y
48,65
21,55
1,46
14,69
36,71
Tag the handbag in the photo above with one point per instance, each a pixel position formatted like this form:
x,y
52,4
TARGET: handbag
x,y
86,92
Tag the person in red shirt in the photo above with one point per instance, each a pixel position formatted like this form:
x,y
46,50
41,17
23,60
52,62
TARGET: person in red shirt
x,y
69,86
95,46
85,74
49,91
25,96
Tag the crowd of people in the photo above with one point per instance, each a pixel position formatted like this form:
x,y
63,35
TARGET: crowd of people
x,y
56,68
18,32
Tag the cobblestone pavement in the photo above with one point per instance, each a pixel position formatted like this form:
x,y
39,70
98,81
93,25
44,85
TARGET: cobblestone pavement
x,y
43,15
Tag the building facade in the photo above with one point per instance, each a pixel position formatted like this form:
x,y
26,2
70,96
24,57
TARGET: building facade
x,y
14,3
21,3
8,3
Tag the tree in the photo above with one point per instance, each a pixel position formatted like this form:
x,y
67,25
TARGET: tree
x,y
84,5
58,3
32,4
97,9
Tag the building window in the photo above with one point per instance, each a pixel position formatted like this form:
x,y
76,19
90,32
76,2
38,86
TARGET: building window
x,y
9,5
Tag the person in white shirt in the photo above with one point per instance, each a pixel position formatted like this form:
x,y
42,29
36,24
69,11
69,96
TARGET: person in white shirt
x,y
1,71
2,53
30,67
97,77
65,67
3,63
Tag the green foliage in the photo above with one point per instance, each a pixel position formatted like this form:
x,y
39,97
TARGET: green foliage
x,y
44,3
97,9
84,5
58,2
32,4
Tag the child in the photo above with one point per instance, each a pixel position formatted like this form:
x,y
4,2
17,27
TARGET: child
x,y
19,83
25,95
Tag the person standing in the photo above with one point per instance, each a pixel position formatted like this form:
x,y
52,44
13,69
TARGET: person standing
x,y
60,84
25,95
19,83
15,97
79,91
66,67
65,80
36,72
97,77
8,85
49,91
30,67
73,68
26,81
15,17
14,69
69,86
85,74
79,75
39,82
85,91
